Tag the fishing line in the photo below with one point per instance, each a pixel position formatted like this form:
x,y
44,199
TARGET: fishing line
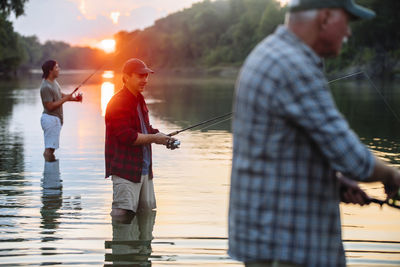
x,y
374,86
90,76
201,123
382,96
215,123
230,113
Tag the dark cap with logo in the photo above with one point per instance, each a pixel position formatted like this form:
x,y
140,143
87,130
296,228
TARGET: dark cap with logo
x,y
356,11
135,65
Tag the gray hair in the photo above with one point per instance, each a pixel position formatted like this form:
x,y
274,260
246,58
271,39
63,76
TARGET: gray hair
x,y
300,16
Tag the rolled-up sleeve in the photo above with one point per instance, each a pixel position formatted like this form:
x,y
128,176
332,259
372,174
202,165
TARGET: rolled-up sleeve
x,y
153,130
307,102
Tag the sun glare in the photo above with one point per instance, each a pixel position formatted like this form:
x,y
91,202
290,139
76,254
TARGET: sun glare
x,y
283,2
108,45
108,74
107,91
114,17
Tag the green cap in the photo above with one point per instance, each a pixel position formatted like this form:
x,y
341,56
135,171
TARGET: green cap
x,y
357,11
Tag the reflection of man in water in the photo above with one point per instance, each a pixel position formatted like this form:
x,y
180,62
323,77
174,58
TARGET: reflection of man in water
x,y
132,238
52,100
129,136
51,197
290,141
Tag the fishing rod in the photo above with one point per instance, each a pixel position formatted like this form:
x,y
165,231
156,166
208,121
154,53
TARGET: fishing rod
x,y
215,123
99,68
230,113
201,123
90,76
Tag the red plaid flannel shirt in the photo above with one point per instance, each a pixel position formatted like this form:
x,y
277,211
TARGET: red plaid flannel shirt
x,y
122,158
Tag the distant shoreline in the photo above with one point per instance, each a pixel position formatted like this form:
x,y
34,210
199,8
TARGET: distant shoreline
x,y
218,71
228,72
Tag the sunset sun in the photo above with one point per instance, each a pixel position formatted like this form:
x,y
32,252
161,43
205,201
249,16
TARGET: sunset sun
x,y
108,45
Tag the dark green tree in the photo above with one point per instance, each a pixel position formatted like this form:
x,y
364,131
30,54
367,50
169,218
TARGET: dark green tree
x,y
12,6
10,48
223,32
374,44
11,51
32,52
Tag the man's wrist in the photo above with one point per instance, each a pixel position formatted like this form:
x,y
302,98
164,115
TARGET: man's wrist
x,y
153,138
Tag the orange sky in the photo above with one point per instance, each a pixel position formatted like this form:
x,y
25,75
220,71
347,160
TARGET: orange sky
x,y
87,22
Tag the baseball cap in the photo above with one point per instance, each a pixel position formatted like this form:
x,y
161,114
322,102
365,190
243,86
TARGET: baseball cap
x,y
47,67
357,11
135,65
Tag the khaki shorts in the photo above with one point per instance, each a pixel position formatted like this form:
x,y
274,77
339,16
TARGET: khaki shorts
x,y
132,196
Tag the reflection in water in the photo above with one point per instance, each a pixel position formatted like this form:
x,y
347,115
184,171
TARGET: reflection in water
x,y
185,102
11,164
108,74
131,244
107,91
11,144
200,169
51,200
363,107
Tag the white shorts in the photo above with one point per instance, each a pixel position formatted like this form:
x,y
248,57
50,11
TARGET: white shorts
x,y
132,196
51,126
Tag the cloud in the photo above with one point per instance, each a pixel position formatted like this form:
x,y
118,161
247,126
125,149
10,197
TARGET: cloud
x,y
91,8
114,17
86,22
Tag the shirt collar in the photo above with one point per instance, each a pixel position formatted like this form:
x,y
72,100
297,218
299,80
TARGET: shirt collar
x,y
128,94
283,32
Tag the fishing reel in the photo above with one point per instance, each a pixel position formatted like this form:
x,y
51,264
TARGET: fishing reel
x,y
173,144
395,200
78,97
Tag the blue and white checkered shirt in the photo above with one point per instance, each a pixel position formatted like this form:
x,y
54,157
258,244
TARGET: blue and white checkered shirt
x,y
289,140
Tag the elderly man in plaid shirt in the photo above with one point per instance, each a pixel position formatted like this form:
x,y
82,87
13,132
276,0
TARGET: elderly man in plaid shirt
x,y
290,142
129,136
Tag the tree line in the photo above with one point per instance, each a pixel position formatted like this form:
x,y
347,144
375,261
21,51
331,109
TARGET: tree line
x,y
214,33
223,33
21,53
209,33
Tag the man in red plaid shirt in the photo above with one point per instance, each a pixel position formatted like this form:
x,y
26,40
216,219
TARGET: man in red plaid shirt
x,y
129,136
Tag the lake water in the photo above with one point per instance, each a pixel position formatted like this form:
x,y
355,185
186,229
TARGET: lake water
x,y
58,213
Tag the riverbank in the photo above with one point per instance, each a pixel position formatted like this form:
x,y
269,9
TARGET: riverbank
x,y
216,71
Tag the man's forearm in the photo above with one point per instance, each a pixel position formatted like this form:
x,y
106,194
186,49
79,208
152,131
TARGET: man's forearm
x,y
158,138
53,105
381,172
143,139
